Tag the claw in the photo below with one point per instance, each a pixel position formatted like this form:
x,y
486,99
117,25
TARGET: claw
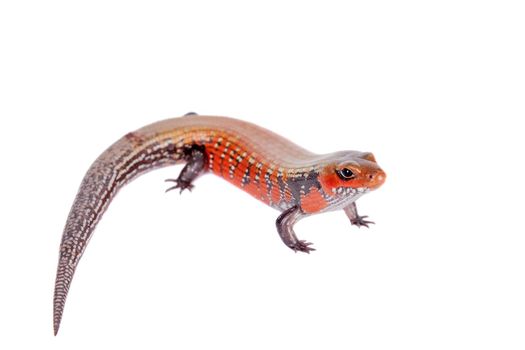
x,y
360,221
302,246
179,184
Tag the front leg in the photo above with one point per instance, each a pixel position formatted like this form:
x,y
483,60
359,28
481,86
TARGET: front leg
x,y
355,219
196,161
285,223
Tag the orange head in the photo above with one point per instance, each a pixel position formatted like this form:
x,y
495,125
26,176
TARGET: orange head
x,y
348,175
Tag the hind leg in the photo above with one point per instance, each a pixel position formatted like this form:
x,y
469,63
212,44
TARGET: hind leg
x,y
196,161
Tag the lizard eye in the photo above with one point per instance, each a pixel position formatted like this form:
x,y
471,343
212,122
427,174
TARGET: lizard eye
x,y
346,174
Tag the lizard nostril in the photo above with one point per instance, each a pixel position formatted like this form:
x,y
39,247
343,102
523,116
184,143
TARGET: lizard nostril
x,y
371,176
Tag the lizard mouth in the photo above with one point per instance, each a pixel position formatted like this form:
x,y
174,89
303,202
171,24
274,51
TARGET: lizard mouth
x,y
350,190
343,196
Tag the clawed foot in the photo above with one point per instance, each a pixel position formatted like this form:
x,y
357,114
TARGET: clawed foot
x,y
360,221
180,184
301,246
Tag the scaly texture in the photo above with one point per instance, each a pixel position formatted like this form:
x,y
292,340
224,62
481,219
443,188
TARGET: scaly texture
x,y
260,162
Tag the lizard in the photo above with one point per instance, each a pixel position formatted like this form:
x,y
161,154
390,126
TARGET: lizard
x,y
272,169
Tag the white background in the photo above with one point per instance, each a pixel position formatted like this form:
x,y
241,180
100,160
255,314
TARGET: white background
x,y
435,89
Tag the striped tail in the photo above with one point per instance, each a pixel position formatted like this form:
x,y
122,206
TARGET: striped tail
x,y
128,158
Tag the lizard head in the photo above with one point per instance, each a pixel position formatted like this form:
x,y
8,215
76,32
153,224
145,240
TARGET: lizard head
x,y
349,175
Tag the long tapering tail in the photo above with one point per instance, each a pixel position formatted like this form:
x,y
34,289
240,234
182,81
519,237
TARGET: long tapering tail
x,y
129,157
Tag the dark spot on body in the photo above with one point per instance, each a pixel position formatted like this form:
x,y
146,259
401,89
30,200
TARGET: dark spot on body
x,y
134,138
308,180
